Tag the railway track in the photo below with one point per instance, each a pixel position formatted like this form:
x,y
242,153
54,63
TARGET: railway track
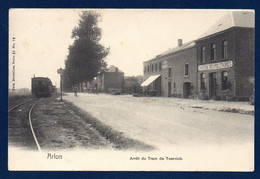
x,y
14,107
20,131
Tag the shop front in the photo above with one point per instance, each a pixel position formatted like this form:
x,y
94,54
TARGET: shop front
x,y
216,81
152,85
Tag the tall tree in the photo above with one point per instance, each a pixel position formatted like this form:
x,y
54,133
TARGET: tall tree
x,y
86,55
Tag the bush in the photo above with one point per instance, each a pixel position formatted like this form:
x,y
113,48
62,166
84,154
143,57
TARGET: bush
x,y
252,100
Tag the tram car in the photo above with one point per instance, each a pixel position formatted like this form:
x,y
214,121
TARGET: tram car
x,y
41,87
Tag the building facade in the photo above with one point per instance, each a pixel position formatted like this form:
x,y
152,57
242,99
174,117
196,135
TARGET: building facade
x,y
218,65
226,58
174,72
111,80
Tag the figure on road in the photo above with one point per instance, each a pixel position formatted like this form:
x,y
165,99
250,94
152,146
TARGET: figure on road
x,y
75,91
96,90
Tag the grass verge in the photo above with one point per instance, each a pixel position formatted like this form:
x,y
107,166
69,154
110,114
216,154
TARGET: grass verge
x,y
118,139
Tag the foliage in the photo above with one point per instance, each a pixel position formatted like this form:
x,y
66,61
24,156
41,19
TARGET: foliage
x,y
86,56
131,85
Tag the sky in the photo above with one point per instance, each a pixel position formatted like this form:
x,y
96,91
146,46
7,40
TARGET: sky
x,y
42,37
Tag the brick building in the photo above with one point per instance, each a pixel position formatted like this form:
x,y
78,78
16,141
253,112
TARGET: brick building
x,y
226,57
111,80
172,72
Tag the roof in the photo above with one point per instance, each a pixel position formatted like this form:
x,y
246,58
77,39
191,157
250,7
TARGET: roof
x,y
241,18
175,50
179,48
232,19
40,78
113,68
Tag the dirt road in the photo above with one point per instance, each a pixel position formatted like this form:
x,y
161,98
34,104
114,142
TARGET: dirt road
x,y
163,122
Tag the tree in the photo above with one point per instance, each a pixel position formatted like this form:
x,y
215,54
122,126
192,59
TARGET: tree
x,y
86,56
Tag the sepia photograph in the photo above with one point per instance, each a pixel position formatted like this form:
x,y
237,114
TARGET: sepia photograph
x,y
131,90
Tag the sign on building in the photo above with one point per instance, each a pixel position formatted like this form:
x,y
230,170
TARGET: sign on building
x,y
164,64
215,66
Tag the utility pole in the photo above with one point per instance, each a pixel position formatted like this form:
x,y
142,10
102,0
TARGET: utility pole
x,y
60,71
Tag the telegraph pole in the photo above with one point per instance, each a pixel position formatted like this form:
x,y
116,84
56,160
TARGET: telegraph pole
x,y
60,71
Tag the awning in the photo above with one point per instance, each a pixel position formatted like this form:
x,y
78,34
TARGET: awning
x,y
150,80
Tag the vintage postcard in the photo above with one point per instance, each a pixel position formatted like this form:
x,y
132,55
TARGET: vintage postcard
x,y
131,90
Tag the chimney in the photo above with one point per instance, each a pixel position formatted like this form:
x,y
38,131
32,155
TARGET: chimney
x,y
179,42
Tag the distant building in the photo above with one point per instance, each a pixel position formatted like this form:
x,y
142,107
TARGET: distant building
x,y
111,80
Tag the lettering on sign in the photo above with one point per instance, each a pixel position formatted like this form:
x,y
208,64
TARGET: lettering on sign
x,y
215,66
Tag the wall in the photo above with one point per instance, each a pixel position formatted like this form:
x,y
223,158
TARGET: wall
x,y
100,80
177,62
228,35
240,52
150,63
245,61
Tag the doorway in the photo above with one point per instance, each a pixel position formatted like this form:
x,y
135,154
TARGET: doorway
x,y
186,89
169,88
212,85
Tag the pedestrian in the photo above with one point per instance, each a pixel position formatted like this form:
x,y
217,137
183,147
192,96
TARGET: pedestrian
x,y
96,88
75,91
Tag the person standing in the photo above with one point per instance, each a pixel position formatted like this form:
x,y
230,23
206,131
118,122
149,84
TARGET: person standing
x,y
96,88
75,91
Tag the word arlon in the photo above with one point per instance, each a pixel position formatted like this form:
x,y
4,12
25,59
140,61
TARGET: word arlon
x,y
54,156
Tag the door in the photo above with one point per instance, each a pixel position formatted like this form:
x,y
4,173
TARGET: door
x,y
186,90
212,85
169,89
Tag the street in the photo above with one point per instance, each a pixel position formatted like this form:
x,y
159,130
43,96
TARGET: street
x,y
168,122
123,130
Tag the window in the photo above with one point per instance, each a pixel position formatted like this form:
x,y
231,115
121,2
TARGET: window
x,y
203,51
202,81
224,80
224,49
186,69
156,67
213,52
174,85
152,68
144,69
170,72
160,67
148,69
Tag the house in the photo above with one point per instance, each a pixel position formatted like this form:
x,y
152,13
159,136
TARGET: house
x,y
226,59
173,73
110,80
218,65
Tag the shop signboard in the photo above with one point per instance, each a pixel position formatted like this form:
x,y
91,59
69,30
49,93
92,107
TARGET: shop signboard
x,y
215,66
